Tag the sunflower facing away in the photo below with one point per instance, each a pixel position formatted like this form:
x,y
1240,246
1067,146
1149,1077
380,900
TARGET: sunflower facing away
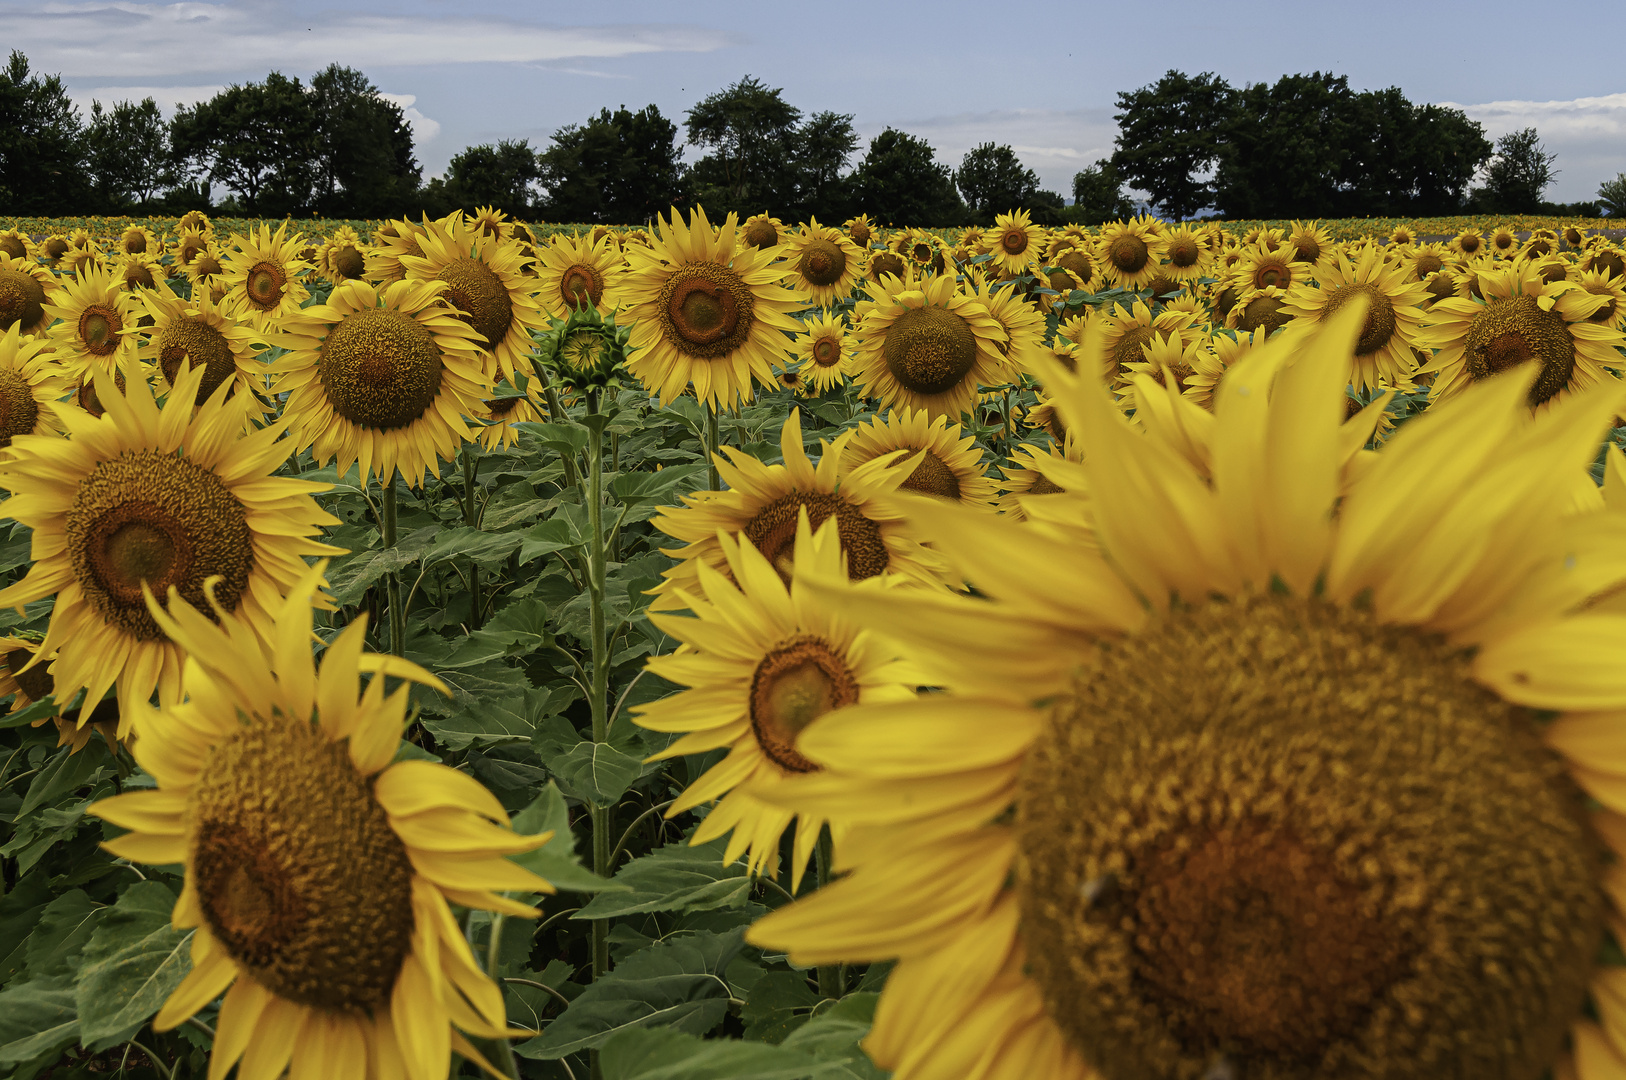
x,y
576,271
342,257
318,873
383,376
706,309
763,661
264,274
927,345
951,466
149,496
823,352
1257,790
763,501
824,264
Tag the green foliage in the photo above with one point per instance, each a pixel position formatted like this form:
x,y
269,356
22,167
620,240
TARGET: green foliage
x,y
1098,195
365,166
42,153
129,155
1516,175
1168,136
618,168
259,139
993,180
901,182
1612,194
503,176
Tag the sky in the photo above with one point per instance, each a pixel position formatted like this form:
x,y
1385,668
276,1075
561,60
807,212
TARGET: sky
x,y
1039,77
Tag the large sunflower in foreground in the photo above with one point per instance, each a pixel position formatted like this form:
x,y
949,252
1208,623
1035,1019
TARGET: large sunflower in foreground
x,y
951,466
32,385
383,376
763,661
763,501
264,274
1394,313
576,271
927,345
706,308
485,280
823,263
211,338
24,287
164,497
1521,318
319,872
1257,790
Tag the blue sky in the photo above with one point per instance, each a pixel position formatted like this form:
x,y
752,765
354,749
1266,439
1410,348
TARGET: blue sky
x,y
1039,77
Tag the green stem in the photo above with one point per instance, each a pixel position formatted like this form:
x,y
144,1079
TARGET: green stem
x,y
599,699
713,447
830,979
556,414
393,580
505,1050
471,518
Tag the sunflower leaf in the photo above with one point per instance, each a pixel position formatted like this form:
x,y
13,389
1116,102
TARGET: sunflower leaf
x,y
133,961
832,1038
674,878
556,860
676,984
38,1020
665,1054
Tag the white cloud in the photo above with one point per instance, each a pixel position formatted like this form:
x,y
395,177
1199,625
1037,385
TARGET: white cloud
x,y
169,98
423,128
127,39
1588,134
1055,143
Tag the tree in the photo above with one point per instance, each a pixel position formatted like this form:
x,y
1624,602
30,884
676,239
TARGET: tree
x,y
1168,134
1098,195
365,167
42,151
1519,171
821,150
128,153
750,130
261,140
901,181
619,168
1405,159
1284,148
500,176
993,180
1612,194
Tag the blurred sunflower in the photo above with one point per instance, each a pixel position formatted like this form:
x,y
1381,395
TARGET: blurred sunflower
x,y
319,872
392,240
213,341
1539,246
484,280
1185,257
1609,261
763,503
823,352
138,240
1309,242
1394,313
195,221
24,286
15,244
1260,309
1210,362
573,271
1025,477
763,662
882,263
52,248
951,468
1129,252
1043,416
25,682
1015,243
342,256
1520,319
762,231
1401,235
927,345
1502,241
1170,361
383,376
144,495
824,264
1262,864
1469,242
860,230
705,311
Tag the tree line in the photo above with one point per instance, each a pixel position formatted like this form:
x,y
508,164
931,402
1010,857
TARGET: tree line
x,y
1308,146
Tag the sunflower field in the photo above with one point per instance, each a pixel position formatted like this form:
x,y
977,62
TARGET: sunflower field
x,y
811,652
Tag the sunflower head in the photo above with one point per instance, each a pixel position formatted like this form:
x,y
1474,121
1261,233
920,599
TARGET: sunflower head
x,y
585,352
761,231
23,290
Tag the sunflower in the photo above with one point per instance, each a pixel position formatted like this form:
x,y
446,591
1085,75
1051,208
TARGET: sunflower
x,y
762,231
264,274
823,352
1609,261
1043,415
1260,309
394,239
1423,261
52,248
1015,243
1539,246
860,230
1521,318
95,322
888,263
1309,242
16,245
26,682
927,345
32,386
24,286
1613,289
195,221
501,414
187,246
1469,242
1079,262
762,502
319,872
1503,242
1258,789
207,274
1124,332
1218,353
706,311
922,249
342,256
212,339
952,467
383,376
1402,235
77,259
137,240
143,495
491,223
1025,477
1172,357
763,662
1023,324
1394,313
824,264
1260,268
1130,252
135,273
1185,256
1574,236
575,271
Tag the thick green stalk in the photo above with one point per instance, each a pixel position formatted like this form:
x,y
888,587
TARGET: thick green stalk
x,y
601,662
471,518
713,446
393,579
504,1049
830,978
556,414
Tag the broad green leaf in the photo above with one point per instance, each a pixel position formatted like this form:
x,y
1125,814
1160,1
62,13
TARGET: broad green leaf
x,y
556,860
38,1018
600,772
349,578
564,438
16,549
132,963
65,925
665,1054
832,1038
483,547
674,878
779,1003
546,537
501,720
42,709
64,773
676,984
668,484
20,912
523,623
